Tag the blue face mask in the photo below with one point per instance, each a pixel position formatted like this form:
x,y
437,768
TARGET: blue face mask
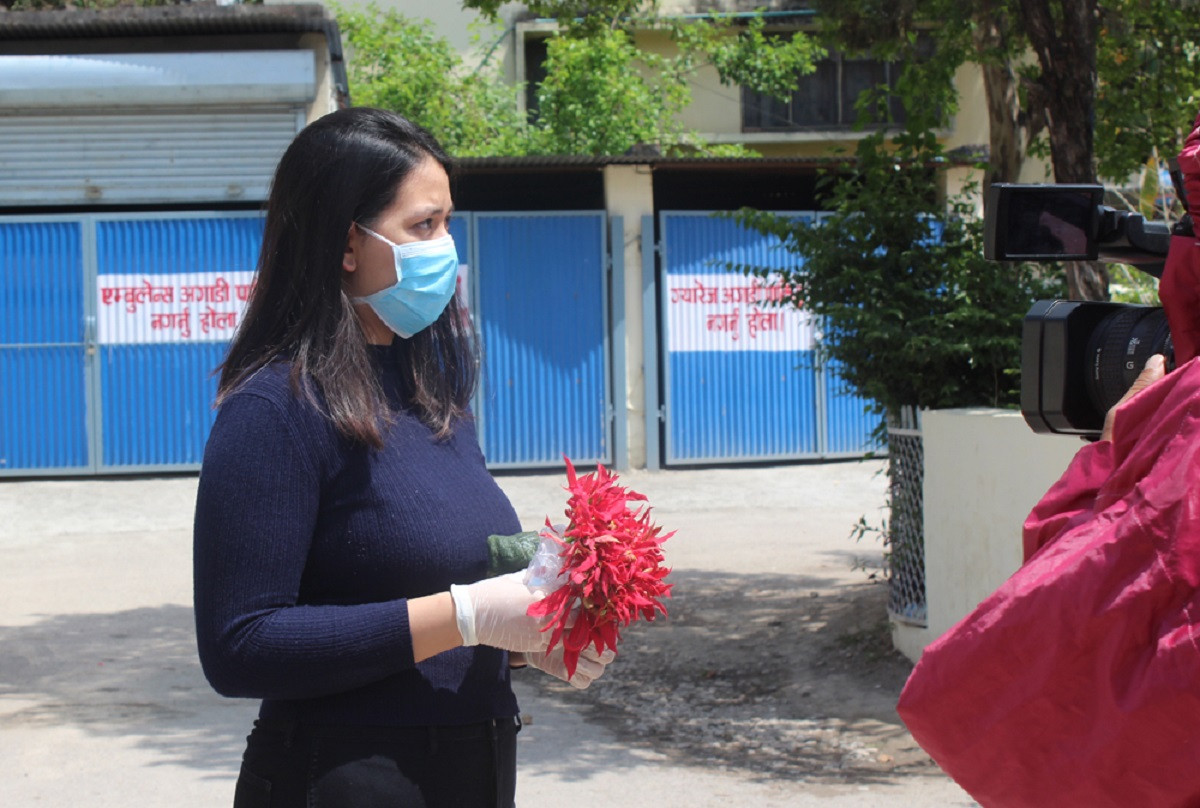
x,y
426,275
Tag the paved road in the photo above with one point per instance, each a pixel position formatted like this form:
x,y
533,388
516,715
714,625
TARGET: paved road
x,y
102,702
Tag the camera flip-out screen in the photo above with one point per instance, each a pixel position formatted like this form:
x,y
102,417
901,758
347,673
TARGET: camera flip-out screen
x,y
1042,222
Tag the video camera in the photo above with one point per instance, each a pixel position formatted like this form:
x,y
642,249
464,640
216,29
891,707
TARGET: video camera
x,y
1078,358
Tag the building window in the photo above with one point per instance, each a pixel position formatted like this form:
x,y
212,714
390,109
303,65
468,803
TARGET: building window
x,y
823,99
535,71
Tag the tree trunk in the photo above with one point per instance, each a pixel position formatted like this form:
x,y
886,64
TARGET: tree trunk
x,y
1005,147
1007,156
1086,280
1063,34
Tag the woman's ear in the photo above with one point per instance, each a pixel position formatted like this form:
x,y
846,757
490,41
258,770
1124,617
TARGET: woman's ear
x,y
353,244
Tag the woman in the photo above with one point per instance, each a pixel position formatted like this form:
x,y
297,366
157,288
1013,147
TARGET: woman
x,y
343,505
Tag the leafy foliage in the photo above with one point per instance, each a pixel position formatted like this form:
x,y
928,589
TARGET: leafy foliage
x,y
397,63
1147,62
1149,83
595,11
605,94
1100,100
744,54
602,95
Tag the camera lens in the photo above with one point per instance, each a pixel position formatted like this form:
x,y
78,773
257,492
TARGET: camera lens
x,y
1118,350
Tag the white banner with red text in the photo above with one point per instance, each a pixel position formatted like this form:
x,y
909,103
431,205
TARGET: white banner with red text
x,y
734,313
181,307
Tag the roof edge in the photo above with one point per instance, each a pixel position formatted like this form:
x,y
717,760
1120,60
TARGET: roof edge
x,y
191,18
601,161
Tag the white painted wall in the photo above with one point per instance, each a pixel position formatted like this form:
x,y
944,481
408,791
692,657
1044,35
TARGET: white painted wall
x,y
984,471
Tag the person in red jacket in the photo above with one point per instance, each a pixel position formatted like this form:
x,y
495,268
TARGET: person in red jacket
x,y
1077,683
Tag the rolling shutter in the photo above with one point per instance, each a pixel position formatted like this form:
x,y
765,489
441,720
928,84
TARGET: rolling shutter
x,y
148,129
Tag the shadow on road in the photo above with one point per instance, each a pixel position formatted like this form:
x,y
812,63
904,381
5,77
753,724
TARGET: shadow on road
x,y
129,674
772,675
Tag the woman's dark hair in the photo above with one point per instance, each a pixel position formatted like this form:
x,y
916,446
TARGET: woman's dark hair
x,y
344,168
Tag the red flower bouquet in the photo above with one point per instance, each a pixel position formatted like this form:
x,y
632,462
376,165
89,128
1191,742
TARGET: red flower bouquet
x,y
612,571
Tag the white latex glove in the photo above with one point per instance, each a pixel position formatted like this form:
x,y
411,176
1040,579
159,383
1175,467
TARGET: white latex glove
x,y
492,612
588,669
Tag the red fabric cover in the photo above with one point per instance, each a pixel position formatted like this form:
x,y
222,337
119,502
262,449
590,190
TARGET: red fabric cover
x,y
1180,286
1077,683
1180,291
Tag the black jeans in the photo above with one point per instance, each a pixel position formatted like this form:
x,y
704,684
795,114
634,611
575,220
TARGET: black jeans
x,y
290,765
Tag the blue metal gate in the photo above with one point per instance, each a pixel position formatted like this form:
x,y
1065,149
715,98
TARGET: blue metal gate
x,y
742,380
110,328
540,296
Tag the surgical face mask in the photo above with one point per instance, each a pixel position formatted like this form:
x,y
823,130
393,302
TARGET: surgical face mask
x,y
426,275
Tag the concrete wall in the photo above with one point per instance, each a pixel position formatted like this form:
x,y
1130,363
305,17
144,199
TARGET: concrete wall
x,y
325,100
629,193
984,471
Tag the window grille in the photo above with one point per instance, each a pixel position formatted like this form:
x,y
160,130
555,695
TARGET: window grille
x,y
824,99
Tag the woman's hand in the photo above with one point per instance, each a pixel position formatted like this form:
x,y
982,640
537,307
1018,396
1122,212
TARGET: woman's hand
x,y
1154,370
590,667
494,612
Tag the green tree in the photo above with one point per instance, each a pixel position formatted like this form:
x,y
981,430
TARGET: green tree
x,y
910,311
1148,69
398,63
604,94
911,314
1095,105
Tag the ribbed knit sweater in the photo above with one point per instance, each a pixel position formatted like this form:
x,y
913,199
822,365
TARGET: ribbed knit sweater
x,y
308,545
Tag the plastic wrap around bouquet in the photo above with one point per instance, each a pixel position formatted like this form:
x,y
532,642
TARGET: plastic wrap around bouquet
x,y
601,571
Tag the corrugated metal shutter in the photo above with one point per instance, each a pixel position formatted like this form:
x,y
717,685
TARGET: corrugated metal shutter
x,y
43,391
542,308
169,295
742,380
196,156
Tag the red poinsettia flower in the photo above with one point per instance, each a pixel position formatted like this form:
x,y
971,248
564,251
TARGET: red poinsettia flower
x,y
612,559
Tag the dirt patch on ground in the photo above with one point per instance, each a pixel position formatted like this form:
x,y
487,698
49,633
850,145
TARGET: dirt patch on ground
x,y
762,674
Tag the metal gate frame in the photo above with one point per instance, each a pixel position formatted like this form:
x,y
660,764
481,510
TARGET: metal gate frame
x,y
92,368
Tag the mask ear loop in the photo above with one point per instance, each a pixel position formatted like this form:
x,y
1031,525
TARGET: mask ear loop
x,y
371,232
365,299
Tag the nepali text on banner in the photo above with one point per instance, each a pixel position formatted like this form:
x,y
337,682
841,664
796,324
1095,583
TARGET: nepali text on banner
x,y
182,307
734,313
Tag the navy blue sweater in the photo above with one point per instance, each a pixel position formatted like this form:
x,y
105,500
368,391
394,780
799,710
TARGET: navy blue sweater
x,y
307,547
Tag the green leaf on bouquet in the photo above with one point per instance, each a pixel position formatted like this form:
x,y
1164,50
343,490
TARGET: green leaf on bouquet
x,y
511,553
